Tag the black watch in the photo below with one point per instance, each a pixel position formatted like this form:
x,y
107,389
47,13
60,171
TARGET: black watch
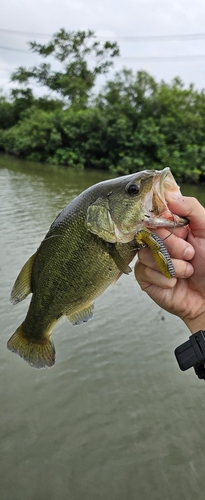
x,y
192,353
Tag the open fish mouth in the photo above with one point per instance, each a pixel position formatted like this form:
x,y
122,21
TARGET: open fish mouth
x,y
158,213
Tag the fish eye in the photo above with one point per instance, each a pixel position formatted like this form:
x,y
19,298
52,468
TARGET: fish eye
x,y
132,189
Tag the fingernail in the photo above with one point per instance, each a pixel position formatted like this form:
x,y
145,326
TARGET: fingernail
x,y
175,196
188,253
189,270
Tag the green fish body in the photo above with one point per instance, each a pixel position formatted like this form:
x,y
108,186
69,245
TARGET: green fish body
x,y
88,246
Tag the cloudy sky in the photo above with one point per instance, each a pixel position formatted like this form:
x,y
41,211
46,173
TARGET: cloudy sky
x,y
179,25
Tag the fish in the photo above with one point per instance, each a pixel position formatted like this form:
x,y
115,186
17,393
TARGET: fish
x,y
88,247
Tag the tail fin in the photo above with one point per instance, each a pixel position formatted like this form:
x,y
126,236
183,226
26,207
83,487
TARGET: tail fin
x,y
38,354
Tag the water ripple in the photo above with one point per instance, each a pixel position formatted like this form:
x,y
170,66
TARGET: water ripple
x,y
114,419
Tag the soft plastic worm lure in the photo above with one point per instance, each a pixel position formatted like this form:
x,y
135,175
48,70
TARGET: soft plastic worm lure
x,y
145,238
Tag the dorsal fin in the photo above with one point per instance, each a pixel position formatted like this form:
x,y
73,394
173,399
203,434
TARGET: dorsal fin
x,y
22,285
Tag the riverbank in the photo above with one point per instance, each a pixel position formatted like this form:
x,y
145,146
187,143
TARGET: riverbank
x,y
133,124
62,176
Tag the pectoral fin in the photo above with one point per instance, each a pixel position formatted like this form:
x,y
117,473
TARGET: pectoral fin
x,y
81,316
119,261
145,237
22,285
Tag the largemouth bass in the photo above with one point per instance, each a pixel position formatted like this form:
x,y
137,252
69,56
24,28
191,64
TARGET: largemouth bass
x,y
87,248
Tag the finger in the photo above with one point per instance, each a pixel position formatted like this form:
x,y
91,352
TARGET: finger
x,y
177,247
180,232
147,276
182,268
191,208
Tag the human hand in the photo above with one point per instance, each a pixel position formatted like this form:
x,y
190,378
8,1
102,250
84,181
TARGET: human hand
x,y
183,295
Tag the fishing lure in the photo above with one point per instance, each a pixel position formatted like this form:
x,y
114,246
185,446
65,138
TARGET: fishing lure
x,y
145,238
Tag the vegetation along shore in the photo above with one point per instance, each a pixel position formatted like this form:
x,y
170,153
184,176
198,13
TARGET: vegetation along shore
x,y
131,123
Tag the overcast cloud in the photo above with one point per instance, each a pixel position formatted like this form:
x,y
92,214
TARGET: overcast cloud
x,y
113,19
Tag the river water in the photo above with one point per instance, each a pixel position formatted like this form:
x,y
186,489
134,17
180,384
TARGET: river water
x,y
114,419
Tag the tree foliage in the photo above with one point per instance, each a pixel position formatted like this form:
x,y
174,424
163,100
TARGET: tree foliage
x,y
74,51
133,123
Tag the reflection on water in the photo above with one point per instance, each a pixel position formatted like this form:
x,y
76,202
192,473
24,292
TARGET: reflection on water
x,y
115,419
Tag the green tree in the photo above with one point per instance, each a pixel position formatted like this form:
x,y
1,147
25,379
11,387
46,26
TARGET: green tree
x,y
22,100
7,118
82,59
134,123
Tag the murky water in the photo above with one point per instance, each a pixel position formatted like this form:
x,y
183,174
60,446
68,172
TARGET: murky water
x,y
115,419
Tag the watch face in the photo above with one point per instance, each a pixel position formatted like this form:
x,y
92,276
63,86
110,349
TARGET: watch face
x,y
192,353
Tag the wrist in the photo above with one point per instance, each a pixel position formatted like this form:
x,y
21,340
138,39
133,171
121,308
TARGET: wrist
x,y
196,324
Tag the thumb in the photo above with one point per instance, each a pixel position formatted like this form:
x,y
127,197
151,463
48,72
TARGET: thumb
x,y
190,208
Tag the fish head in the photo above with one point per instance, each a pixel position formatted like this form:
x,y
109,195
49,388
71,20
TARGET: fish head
x,y
128,203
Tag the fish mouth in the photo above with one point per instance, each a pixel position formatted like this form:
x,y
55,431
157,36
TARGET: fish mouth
x,y
158,213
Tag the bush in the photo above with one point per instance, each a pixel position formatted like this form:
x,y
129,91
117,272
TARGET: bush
x,y
35,137
133,124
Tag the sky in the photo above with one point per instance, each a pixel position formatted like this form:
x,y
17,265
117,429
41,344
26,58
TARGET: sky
x,y
134,24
